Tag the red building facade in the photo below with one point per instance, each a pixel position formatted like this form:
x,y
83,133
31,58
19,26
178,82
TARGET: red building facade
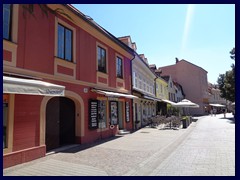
x,y
88,69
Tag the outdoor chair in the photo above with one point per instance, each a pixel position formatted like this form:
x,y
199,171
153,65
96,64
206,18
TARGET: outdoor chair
x,y
176,122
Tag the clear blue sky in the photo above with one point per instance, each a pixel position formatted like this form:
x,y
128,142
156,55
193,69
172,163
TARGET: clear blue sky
x,y
201,34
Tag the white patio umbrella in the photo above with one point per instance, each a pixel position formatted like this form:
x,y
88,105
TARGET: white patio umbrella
x,y
185,103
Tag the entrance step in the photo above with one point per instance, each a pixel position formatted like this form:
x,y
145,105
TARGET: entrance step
x,y
123,132
63,148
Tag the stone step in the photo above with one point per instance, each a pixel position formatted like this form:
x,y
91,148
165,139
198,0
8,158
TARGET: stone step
x,y
123,131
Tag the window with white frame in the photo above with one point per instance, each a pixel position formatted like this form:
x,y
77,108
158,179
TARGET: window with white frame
x,y
144,84
148,89
136,80
140,82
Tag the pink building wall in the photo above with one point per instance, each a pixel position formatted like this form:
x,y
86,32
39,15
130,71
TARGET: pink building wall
x,y
193,80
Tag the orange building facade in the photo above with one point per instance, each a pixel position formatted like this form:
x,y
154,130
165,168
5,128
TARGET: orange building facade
x,y
87,68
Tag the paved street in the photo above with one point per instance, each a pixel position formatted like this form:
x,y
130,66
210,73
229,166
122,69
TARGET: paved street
x,y
205,148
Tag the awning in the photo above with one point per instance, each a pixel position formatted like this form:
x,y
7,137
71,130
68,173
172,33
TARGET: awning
x,y
14,85
217,105
169,102
151,98
114,94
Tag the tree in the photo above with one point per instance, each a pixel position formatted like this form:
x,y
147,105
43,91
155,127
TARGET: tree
x,y
221,85
232,52
226,81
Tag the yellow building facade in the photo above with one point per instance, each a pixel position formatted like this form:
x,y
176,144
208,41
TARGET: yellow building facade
x,y
161,89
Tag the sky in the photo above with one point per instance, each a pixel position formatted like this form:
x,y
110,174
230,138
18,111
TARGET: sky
x,y
202,34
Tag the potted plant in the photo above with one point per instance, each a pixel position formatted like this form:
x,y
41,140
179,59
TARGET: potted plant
x,y
185,122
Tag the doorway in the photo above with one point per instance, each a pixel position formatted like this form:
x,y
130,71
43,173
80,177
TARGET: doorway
x,y
60,122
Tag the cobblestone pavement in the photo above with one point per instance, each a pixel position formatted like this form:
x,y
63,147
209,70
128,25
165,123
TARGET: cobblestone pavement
x,y
206,147
208,151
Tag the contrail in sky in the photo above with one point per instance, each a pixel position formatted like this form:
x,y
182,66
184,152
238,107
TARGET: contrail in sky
x,y
190,12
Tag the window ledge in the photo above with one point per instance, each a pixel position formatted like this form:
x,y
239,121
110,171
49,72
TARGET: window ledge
x,y
9,43
102,74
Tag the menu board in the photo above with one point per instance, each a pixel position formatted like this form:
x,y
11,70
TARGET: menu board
x,y
113,112
93,114
127,112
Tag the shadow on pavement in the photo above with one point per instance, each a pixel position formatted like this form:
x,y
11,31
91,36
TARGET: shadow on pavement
x,y
230,120
81,147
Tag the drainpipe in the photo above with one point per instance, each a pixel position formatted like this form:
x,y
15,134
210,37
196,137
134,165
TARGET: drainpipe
x,y
132,91
155,92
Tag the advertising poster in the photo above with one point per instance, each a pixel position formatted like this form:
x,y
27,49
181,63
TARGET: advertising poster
x,y
127,112
93,114
114,112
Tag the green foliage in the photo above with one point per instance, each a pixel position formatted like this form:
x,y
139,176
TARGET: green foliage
x,y
221,85
226,81
232,52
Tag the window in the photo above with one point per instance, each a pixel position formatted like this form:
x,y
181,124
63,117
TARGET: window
x,y
140,82
144,85
65,42
135,80
102,114
119,68
101,56
148,89
7,11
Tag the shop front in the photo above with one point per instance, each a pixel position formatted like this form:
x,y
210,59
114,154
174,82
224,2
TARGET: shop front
x,y
110,112
22,99
144,108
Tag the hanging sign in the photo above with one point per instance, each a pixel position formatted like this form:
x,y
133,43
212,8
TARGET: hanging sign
x,y
93,114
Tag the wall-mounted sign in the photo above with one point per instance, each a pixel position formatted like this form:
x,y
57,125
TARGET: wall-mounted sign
x,y
112,99
93,114
127,112
113,112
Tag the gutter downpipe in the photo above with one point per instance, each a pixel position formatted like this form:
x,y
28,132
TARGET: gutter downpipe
x,y
132,91
155,92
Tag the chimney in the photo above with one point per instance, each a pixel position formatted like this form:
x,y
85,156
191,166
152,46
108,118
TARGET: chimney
x,y
158,72
176,60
